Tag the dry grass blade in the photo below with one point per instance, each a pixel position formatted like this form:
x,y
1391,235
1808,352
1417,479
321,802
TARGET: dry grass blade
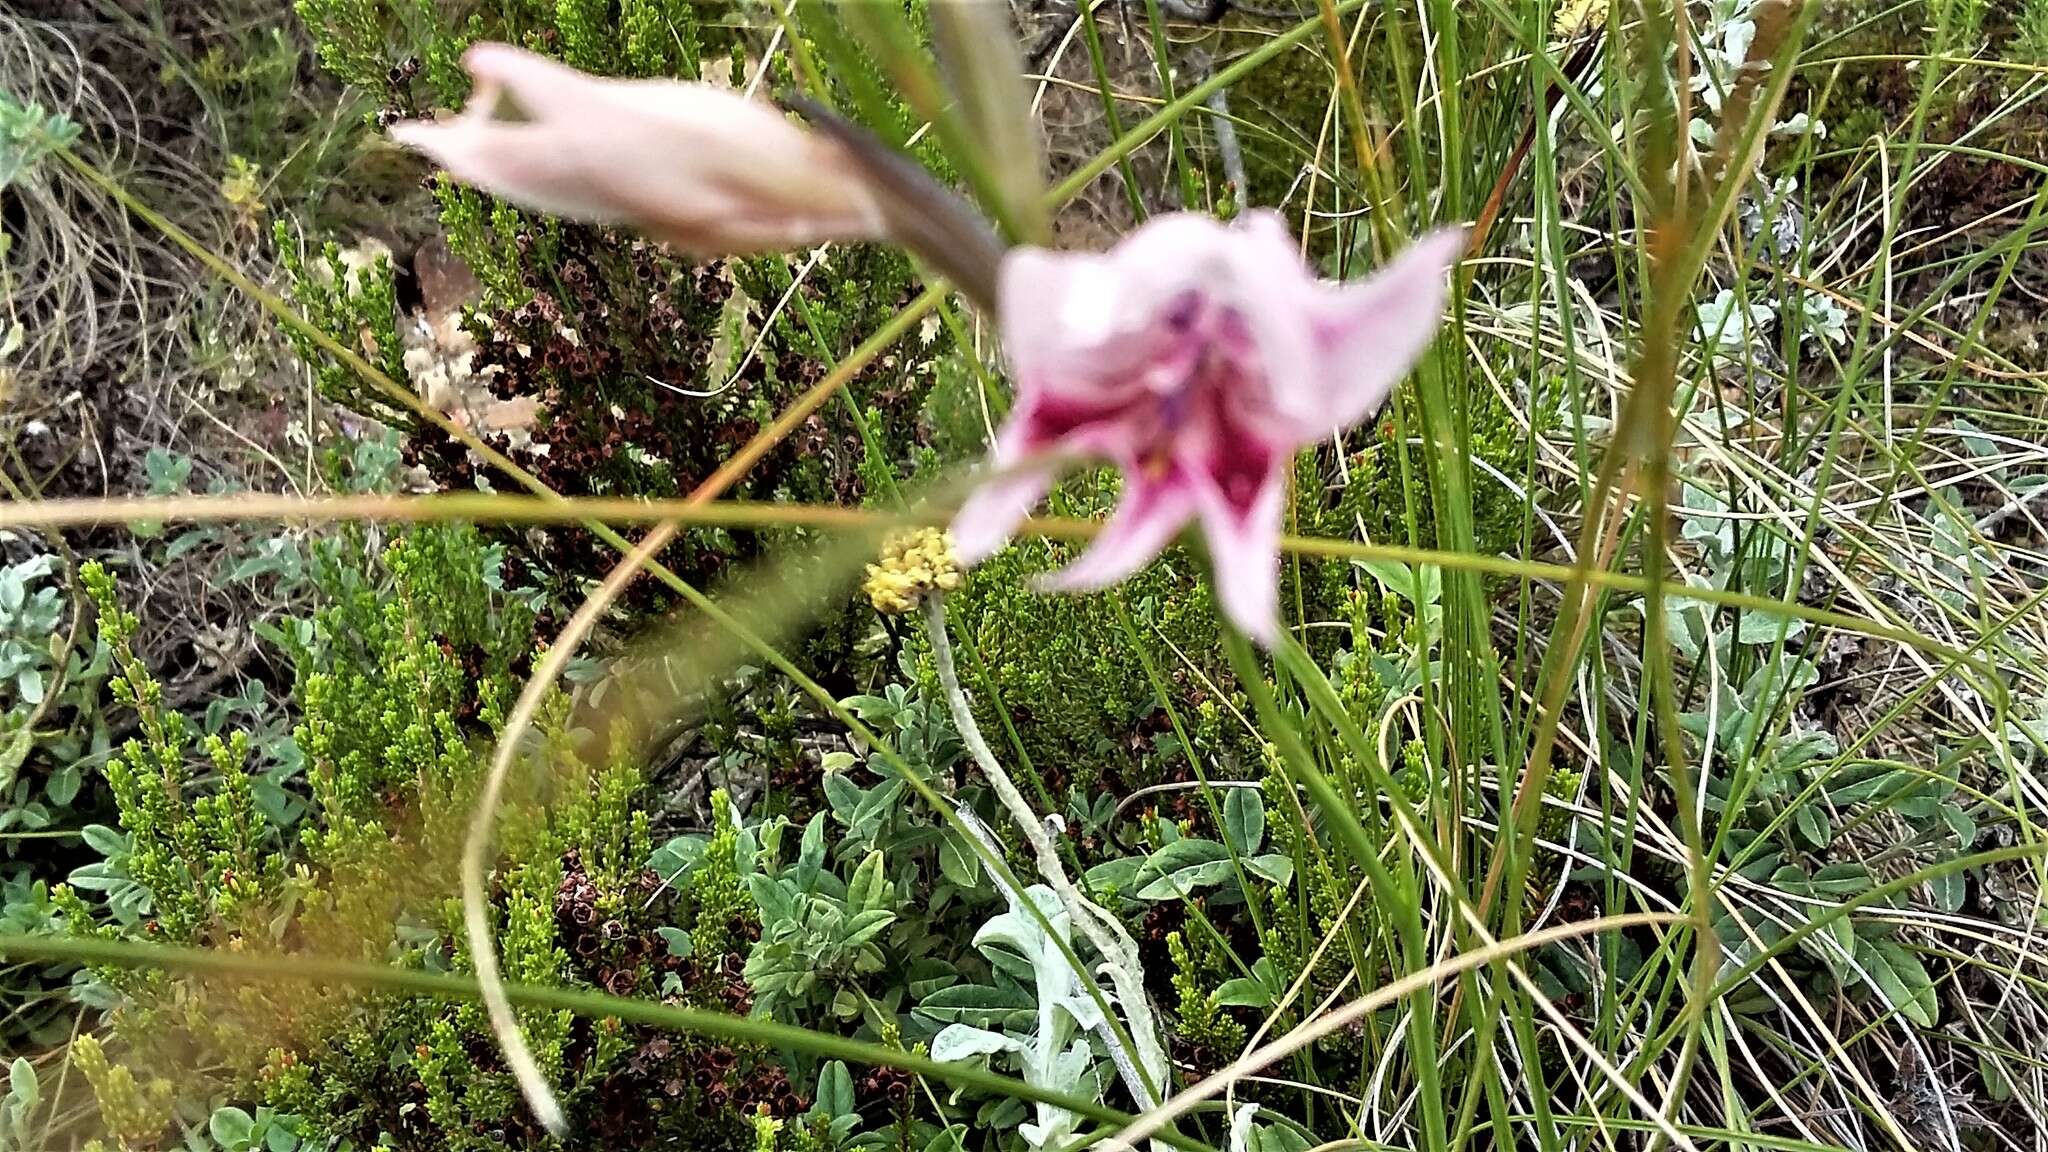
x,y
551,509
476,922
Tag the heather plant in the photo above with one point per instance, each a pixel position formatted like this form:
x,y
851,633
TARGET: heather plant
x,y
405,666
1600,709
605,364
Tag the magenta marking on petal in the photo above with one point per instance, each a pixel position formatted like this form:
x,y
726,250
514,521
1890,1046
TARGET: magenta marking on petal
x,y
1181,316
1239,472
1053,418
1244,547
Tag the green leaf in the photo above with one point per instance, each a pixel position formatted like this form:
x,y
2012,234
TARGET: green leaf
x,y
958,863
1116,875
867,926
22,1087
231,1128
1900,979
1949,892
868,889
1272,867
1962,824
876,805
810,856
1189,864
953,1139
1814,826
679,943
966,1042
1394,577
1763,628
1882,784
1275,1138
844,796
928,974
1244,820
983,1005
1253,991
775,903
1996,1085
1183,853
871,709
103,840
835,1091
62,786
1183,882
1243,992
1834,881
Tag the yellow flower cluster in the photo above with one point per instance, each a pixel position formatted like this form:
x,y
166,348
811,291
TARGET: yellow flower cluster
x,y
913,563
1576,16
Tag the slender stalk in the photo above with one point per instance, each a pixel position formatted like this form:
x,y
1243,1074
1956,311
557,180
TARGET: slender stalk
x,y
1145,1068
594,1005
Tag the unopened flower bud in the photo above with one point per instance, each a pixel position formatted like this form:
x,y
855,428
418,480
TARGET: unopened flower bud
x,y
702,167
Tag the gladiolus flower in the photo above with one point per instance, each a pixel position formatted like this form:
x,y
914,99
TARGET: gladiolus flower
x,y
1197,357
702,167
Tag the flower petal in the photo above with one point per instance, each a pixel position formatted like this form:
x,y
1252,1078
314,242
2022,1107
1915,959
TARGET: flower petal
x,y
1093,324
1253,274
536,83
1371,334
1148,517
512,160
1243,532
1071,323
989,516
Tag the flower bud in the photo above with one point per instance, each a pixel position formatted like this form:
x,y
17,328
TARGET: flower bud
x,y
702,167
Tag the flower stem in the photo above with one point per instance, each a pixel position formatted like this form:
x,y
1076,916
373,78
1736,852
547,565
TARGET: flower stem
x,y
1145,1070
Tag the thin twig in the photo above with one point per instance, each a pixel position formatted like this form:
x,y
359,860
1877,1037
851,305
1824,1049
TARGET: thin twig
x,y
1227,148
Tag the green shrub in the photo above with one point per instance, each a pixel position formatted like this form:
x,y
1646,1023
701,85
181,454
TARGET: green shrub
x,y
402,677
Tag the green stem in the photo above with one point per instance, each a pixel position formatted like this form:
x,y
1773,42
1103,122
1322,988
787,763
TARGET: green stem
x,y
595,1005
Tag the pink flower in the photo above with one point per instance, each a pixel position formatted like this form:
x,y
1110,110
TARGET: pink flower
x,y
702,167
1196,357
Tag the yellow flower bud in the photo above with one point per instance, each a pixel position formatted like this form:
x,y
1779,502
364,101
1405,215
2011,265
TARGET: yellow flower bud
x,y
912,563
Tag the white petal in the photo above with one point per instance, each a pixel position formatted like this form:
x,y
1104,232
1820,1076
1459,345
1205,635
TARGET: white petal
x,y
1148,517
1371,334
